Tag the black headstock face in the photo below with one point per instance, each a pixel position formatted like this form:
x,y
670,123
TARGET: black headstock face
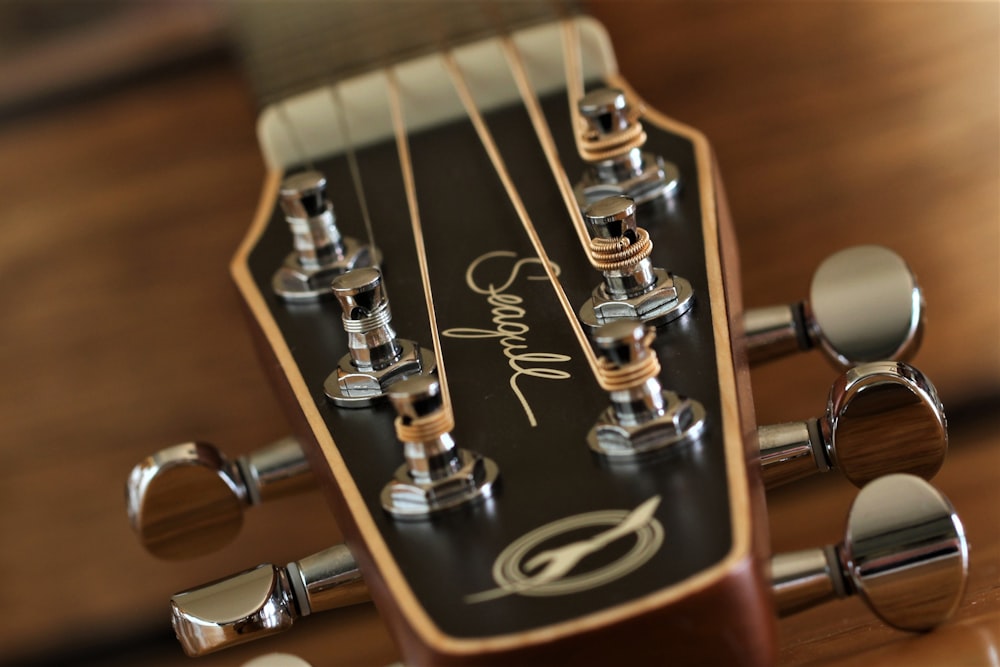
x,y
646,535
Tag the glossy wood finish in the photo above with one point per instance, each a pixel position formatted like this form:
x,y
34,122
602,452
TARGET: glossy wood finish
x,y
122,333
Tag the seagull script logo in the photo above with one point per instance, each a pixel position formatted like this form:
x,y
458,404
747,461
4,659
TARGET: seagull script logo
x,y
509,327
548,572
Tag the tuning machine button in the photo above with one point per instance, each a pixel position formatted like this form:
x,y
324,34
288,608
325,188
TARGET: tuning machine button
x,y
904,553
376,358
321,252
437,475
632,288
642,417
612,147
265,600
864,305
883,417
188,500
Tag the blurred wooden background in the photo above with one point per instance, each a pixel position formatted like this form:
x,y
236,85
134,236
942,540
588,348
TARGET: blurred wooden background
x,y
835,124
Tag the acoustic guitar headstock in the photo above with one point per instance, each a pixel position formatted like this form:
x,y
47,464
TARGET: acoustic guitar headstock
x,y
499,295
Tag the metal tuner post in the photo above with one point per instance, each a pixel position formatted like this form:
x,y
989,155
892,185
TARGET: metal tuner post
x,y
188,500
437,475
321,252
881,418
265,600
904,553
642,418
632,288
864,305
376,358
612,147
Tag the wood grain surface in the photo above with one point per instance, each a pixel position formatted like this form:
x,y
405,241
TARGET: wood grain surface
x,y
834,123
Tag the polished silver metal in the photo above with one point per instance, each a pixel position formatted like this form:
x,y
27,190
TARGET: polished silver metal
x,y
864,305
635,290
376,358
188,500
321,252
881,418
638,174
265,600
437,475
904,553
642,418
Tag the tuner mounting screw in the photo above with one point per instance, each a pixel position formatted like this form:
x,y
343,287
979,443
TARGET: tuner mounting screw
x,y
376,358
612,147
437,475
321,252
642,417
633,288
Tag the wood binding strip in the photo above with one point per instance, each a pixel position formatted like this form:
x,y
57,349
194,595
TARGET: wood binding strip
x,y
389,571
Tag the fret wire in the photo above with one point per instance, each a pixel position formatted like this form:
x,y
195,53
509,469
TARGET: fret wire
x,y
544,135
403,148
352,161
486,138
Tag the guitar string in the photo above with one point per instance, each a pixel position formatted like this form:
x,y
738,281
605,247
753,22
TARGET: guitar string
x,y
352,162
486,138
406,165
544,134
574,78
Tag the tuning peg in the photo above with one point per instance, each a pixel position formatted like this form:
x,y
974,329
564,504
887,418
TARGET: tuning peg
x,y
612,146
321,252
881,418
188,500
864,305
265,600
904,553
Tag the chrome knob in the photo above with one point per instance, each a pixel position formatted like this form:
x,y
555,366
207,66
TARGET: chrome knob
x,y
188,500
904,553
881,418
864,305
605,110
265,600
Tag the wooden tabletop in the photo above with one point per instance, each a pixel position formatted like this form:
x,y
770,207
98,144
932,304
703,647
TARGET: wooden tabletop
x,y
834,123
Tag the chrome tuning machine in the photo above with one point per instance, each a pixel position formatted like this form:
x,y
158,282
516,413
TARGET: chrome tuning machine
x,y
188,500
881,418
904,553
437,475
321,252
643,417
265,600
612,147
376,358
632,288
864,305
